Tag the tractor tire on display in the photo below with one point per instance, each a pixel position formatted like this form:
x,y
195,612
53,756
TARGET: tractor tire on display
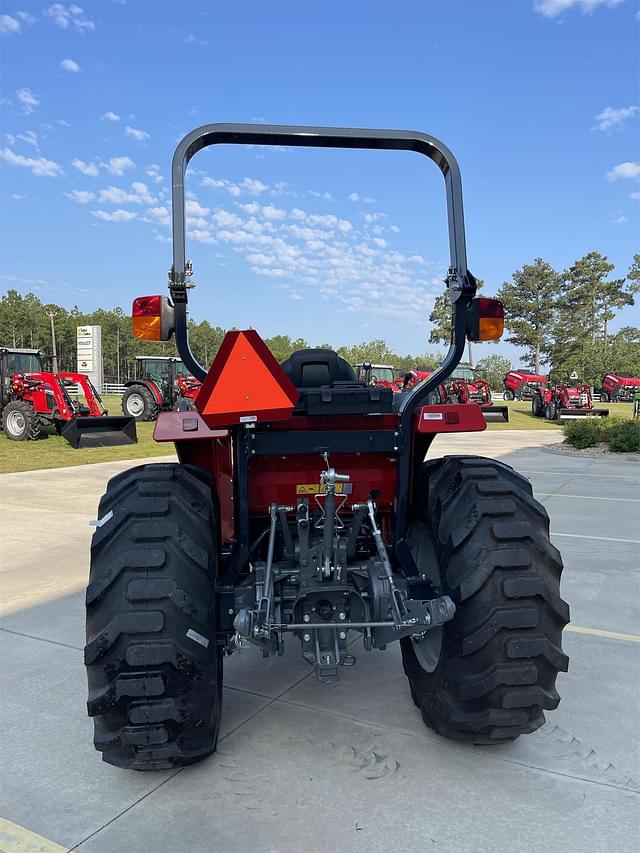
x,y
493,674
138,402
508,395
550,412
604,397
153,666
537,408
20,421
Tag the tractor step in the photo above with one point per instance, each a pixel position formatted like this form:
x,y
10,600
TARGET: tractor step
x,y
105,431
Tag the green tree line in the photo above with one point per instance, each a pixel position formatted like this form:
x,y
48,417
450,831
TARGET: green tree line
x,y
562,318
25,323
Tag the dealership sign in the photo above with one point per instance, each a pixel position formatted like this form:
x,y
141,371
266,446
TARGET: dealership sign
x,y
89,353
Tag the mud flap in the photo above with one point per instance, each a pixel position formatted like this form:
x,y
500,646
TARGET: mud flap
x,y
577,414
493,414
104,431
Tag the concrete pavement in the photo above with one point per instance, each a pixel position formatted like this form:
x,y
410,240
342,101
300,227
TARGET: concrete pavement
x,y
349,767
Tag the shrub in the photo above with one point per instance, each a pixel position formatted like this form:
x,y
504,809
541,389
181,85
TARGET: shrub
x,y
623,437
583,433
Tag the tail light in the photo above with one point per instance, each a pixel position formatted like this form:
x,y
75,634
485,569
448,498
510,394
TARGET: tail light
x,y
485,320
152,318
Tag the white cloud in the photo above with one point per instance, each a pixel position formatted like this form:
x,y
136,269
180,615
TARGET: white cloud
x,y
70,65
191,39
29,137
26,18
118,165
202,235
273,213
28,100
116,195
81,196
553,8
153,171
618,220
69,18
62,122
194,208
39,166
252,186
109,116
138,135
216,183
117,215
610,117
624,170
225,219
354,196
296,213
252,207
635,196
394,228
89,169
160,215
372,217
379,242
9,26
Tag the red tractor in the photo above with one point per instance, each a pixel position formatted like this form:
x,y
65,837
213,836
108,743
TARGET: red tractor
x,y
31,398
462,386
302,509
565,403
520,385
162,382
380,375
619,388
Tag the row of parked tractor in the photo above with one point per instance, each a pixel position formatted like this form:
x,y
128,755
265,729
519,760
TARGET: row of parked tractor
x,y
33,398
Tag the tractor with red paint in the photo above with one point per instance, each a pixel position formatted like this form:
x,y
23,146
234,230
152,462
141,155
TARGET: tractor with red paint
x,y
380,375
463,385
565,403
521,385
307,508
32,398
619,388
161,383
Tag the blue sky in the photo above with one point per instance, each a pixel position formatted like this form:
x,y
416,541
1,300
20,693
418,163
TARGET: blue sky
x,y
538,99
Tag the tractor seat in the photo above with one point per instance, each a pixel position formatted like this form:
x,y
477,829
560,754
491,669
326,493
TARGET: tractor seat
x,y
328,386
313,368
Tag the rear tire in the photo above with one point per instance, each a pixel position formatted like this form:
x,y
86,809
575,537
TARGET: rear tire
x,y
153,665
501,653
604,397
508,395
550,412
20,421
138,402
537,409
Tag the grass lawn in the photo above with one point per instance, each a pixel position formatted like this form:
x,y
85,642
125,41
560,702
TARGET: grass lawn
x,y
52,451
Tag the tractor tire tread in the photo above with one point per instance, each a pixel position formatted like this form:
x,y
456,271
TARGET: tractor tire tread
x,y
502,651
153,664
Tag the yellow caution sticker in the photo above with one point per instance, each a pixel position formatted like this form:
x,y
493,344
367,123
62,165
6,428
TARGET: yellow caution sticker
x,y
316,489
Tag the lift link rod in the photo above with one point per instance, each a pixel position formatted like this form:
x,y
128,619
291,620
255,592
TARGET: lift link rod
x,y
396,597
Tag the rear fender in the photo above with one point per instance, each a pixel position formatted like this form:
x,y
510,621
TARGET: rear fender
x,y
151,386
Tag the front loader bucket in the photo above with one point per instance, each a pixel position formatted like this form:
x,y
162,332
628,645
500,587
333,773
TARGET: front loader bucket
x,y
493,414
104,431
576,414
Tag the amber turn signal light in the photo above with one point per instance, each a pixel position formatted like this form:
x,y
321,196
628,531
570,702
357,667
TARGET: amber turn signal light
x,y
485,319
152,318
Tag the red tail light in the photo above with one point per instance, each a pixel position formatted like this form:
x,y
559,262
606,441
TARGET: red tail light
x,y
486,319
152,318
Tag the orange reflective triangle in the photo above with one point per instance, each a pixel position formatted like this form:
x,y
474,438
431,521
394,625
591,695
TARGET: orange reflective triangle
x,y
245,383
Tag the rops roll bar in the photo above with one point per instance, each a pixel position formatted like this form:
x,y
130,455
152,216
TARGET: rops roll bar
x,y
461,283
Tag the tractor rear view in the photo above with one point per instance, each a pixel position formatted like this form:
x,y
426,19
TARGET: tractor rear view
x,y
304,510
32,398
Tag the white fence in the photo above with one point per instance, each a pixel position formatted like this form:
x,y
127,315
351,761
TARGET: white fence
x,y
112,388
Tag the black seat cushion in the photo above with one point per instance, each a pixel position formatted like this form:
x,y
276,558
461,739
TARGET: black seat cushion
x,y
314,368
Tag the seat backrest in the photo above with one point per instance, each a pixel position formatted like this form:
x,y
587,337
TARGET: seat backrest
x,y
313,368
